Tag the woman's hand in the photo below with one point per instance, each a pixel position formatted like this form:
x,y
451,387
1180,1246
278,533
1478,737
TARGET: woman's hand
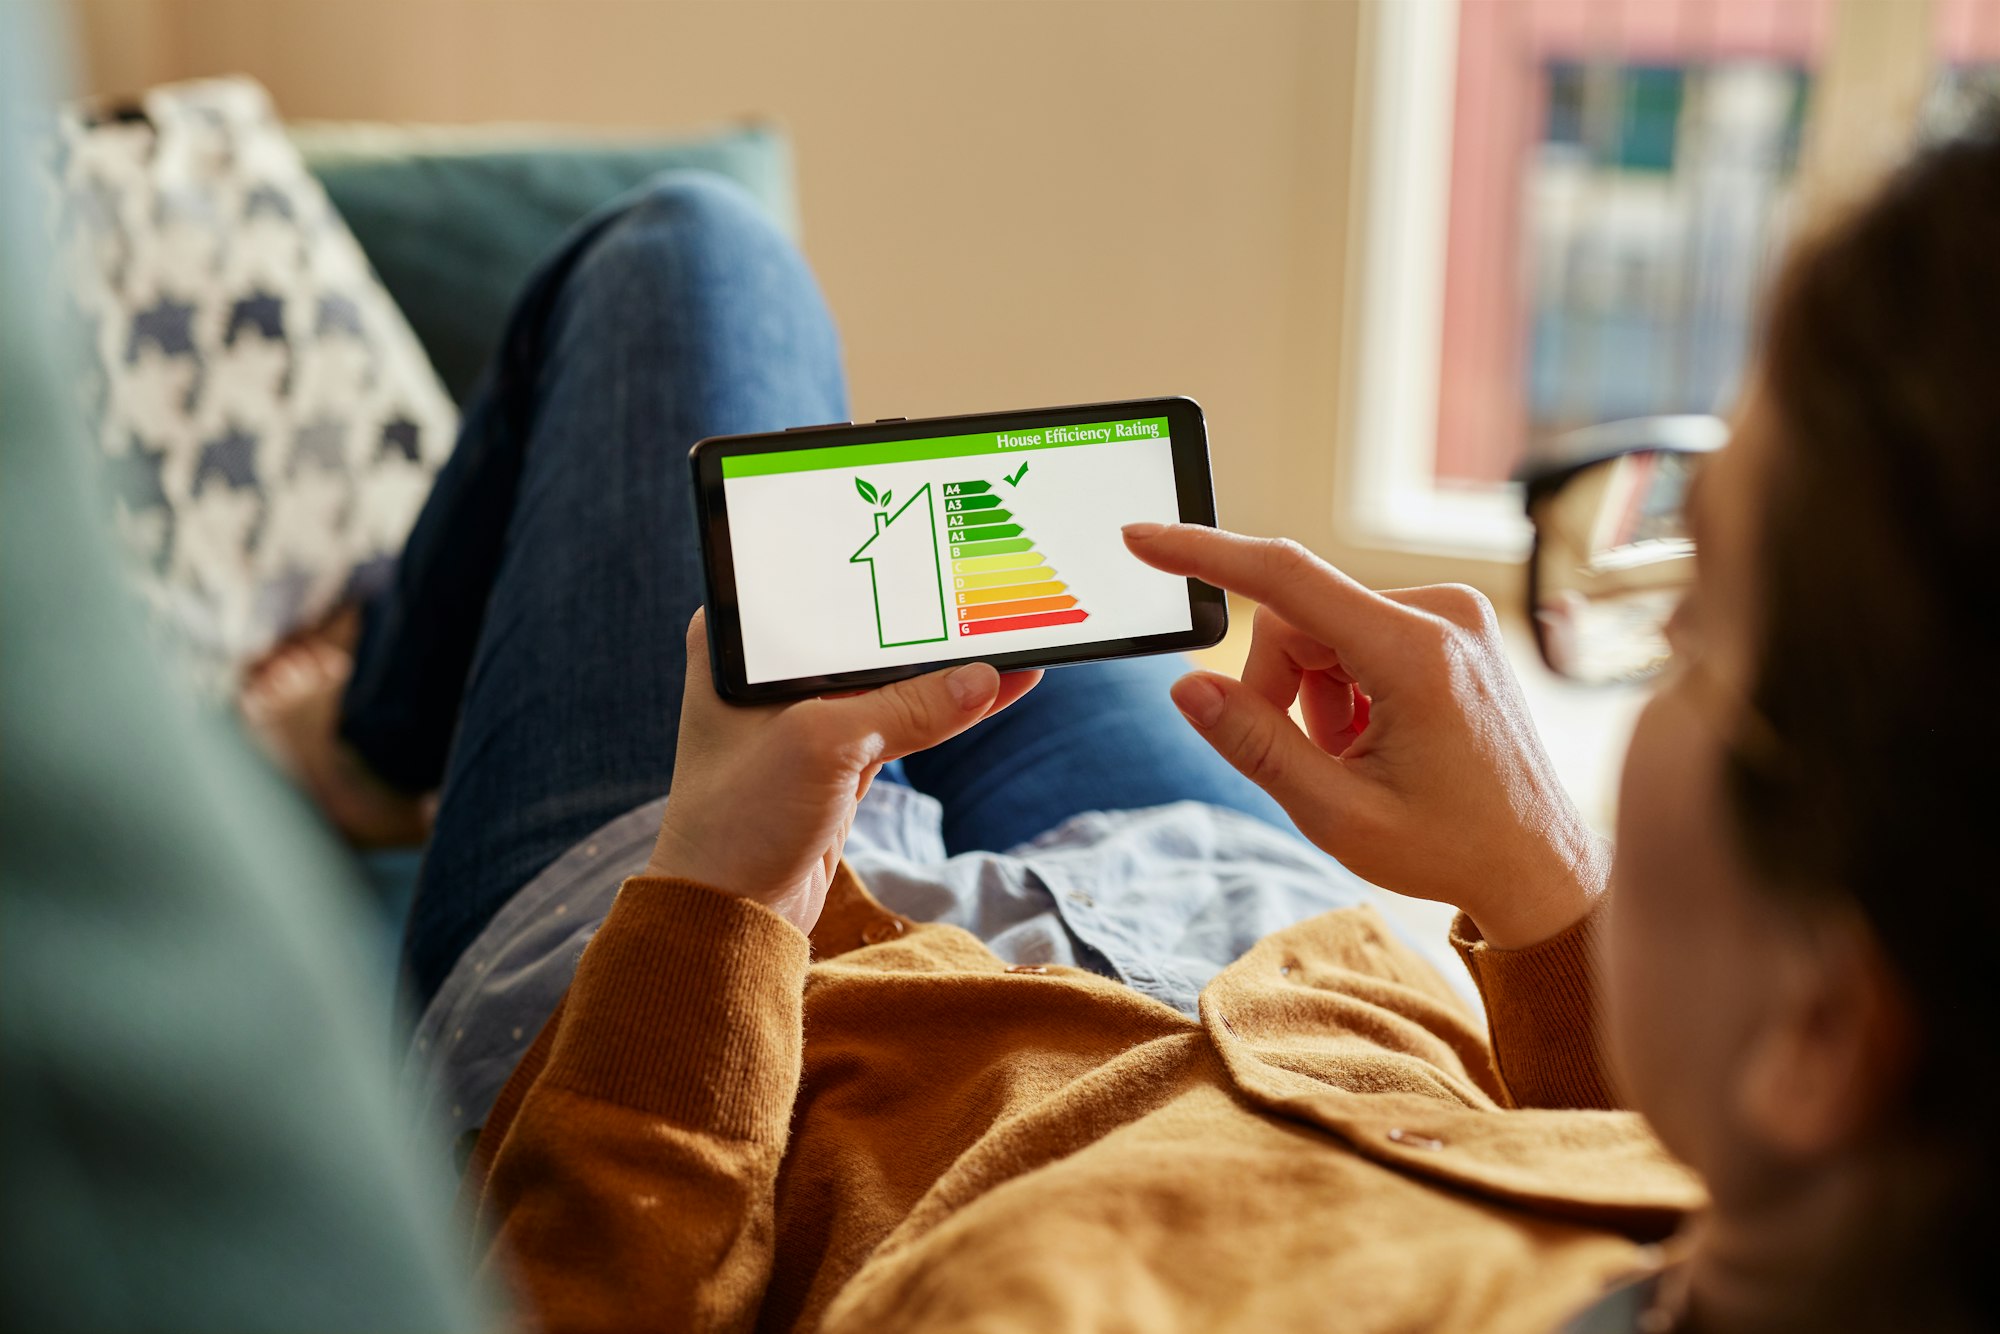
x,y
763,797
1418,766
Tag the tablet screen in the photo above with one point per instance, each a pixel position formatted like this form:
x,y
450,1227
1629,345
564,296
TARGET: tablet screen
x,y
848,557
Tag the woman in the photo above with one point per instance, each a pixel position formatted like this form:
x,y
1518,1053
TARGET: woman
x,y
893,1129
1802,812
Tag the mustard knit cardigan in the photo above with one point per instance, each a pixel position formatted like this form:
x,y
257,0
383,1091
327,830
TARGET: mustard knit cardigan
x,y
885,1128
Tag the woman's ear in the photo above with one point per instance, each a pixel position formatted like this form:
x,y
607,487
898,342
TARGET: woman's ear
x,y
1831,1061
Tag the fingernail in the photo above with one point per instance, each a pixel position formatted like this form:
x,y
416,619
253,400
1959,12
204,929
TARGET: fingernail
x,y
1142,531
971,685
1199,698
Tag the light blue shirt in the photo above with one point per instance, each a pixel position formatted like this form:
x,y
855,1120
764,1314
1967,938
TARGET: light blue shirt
x,y
1161,899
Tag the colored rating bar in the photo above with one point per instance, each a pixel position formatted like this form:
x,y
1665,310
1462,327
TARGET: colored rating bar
x,y
988,533
966,489
1001,578
972,597
1000,624
989,611
1005,547
974,520
1022,559
957,503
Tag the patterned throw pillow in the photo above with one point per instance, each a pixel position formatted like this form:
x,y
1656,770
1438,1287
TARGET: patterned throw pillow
x,y
269,423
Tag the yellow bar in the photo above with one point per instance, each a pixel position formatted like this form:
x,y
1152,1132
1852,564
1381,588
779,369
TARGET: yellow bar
x,y
1010,593
1013,561
1001,578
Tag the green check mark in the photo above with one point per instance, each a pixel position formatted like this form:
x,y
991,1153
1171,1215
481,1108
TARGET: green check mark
x,y
1014,479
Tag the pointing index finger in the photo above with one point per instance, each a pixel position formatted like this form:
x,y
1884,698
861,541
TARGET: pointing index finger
x,y
1279,573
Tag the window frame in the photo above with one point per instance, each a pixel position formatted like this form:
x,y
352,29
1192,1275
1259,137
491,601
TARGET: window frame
x,y
1389,499
1875,67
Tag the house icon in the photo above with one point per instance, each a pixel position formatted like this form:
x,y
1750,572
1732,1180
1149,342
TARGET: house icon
x,y
908,578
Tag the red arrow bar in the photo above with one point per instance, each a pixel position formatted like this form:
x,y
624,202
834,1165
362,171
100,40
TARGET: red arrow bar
x,y
1036,621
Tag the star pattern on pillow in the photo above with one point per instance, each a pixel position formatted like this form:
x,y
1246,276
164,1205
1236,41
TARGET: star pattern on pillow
x,y
268,423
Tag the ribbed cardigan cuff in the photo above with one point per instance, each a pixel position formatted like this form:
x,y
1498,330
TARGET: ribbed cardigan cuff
x,y
688,1005
1541,1006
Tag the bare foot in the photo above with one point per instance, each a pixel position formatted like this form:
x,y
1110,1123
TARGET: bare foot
x,y
291,702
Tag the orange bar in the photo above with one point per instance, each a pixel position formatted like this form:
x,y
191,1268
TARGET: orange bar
x,y
992,610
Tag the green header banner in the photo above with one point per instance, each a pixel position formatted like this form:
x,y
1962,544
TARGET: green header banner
x,y
942,447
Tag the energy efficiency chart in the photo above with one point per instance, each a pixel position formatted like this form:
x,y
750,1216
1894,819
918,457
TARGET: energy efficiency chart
x,y
1000,541
999,581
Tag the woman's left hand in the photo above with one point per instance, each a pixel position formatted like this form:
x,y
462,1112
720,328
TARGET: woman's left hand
x,y
764,796
1418,765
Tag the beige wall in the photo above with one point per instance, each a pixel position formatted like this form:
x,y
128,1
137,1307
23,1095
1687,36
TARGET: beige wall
x,y
1009,204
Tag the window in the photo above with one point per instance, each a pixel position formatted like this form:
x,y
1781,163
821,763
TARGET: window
x,y
1571,212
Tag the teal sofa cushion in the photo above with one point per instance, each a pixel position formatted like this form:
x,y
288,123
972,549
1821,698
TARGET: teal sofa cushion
x,y
453,220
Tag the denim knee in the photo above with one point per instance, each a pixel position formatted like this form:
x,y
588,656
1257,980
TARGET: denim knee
x,y
689,238
689,269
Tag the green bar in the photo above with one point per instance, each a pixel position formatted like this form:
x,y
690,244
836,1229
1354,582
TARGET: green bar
x,y
957,520
943,447
1001,548
967,488
971,503
987,534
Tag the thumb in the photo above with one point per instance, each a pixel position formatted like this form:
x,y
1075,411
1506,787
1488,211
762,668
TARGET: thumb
x,y
1264,744
697,651
920,712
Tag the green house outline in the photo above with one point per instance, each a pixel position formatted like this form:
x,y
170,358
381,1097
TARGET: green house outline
x,y
937,567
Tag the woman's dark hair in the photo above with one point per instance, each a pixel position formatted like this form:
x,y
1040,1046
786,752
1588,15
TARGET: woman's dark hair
x,y
1879,661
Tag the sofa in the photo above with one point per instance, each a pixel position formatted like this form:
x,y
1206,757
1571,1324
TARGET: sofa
x,y
454,219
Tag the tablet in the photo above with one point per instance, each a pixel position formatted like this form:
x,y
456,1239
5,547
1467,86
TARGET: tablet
x,y
842,556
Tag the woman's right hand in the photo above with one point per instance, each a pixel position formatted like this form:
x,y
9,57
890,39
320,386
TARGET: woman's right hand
x,y
1418,765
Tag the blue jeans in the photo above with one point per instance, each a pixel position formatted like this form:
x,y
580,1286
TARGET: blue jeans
x,y
527,656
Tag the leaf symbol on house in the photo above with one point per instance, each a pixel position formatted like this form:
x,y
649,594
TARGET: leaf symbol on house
x,y
867,492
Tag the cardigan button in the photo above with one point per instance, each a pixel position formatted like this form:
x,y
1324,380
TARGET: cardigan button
x,y
1035,968
888,928
1414,1140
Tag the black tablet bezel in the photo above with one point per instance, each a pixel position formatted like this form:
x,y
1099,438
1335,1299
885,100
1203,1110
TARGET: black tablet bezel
x,y
1208,610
